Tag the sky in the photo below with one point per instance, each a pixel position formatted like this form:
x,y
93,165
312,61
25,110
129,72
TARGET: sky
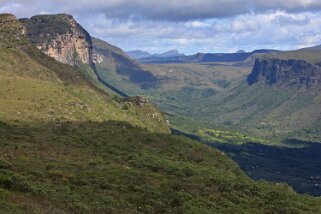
x,y
189,26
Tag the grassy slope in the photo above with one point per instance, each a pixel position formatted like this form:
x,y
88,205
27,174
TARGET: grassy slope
x,y
88,167
35,92
258,110
116,61
311,55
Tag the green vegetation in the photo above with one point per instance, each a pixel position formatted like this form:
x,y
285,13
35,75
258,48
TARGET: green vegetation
x,y
296,163
210,101
231,137
90,167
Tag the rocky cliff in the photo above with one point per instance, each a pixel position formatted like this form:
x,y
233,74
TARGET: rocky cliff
x,y
286,73
60,37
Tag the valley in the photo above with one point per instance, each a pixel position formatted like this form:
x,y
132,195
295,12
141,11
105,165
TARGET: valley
x,y
242,98
84,128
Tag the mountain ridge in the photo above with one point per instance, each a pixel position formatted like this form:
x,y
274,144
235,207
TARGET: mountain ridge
x,y
289,73
206,57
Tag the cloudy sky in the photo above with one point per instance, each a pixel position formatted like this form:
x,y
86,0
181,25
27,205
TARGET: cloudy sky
x,y
188,25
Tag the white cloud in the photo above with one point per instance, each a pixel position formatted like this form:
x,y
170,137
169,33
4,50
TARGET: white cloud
x,y
189,25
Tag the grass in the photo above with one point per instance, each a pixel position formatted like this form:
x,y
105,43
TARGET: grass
x,y
35,92
230,137
91,167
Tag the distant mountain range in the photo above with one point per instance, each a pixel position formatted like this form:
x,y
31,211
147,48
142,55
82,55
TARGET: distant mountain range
x,y
203,57
137,54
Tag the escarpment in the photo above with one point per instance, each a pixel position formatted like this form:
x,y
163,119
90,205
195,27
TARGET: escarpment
x,y
60,37
288,73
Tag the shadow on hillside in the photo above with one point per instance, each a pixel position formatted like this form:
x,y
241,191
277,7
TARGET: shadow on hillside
x,y
300,167
76,164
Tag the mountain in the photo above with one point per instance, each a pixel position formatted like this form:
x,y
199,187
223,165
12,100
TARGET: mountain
x,y
286,73
113,62
52,86
240,52
68,147
60,37
170,53
206,57
137,54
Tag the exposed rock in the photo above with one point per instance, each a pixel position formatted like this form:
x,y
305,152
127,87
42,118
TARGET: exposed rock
x,y
11,30
60,37
7,17
139,101
286,73
98,58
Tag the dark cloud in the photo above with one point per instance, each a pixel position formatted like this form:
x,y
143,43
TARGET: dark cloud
x,y
182,10
170,10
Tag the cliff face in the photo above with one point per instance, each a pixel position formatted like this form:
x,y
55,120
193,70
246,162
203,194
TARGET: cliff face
x,y
60,37
286,73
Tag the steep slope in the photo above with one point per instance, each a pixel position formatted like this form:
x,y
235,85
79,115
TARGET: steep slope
x,y
66,147
288,74
62,38
113,64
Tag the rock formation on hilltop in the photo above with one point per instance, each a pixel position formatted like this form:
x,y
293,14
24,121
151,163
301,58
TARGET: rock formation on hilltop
x,y
11,30
286,73
60,37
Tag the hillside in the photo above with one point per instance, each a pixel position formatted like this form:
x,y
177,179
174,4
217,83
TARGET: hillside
x,y
67,147
114,66
62,38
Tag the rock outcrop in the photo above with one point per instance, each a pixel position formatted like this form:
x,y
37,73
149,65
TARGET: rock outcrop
x,y
286,73
11,30
60,37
